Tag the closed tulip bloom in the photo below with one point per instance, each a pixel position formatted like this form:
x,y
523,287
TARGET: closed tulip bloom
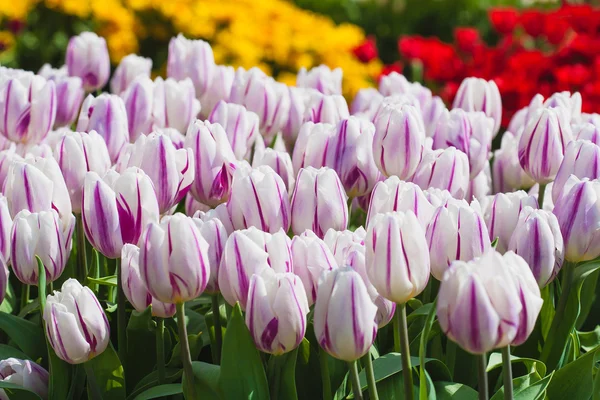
x,y
432,112
240,125
481,185
192,206
396,101
192,59
44,235
280,162
364,99
397,256
319,202
248,252
143,106
344,316
578,212
135,289
259,198
321,78
506,170
582,159
131,67
214,233
570,103
276,313
219,212
87,58
6,223
311,147
329,109
24,373
106,114
78,153
299,100
587,131
457,231
396,195
116,208
174,261
476,94
4,274
538,240
398,141
6,159
177,102
218,89
311,258
543,143
69,94
76,326
478,303
501,214
446,169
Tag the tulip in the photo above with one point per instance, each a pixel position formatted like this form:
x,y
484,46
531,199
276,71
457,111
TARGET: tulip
x,y
214,233
311,258
106,114
444,169
398,141
24,373
78,153
240,125
397,256
538,240
6,159
578,212
87,57
43,235
180,107
280,162
192,59
476,94
259,198
134,288
299,100
396,195
481,185
219,212
507,171
27,108
276,313
4,274
543,142
142,101
432,112
344,316
192,206
570,103
219,88
69,94
582,159
131,67
587,131
174,260
116,209
379,107
501,214
321,78
329,109
457,231
364,99
76,326
318,202
311,146
248,252
6,223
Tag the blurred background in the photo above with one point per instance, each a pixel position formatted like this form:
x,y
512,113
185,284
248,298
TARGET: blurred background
x,y
526,46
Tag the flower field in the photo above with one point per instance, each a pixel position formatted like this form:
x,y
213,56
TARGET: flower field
x,y
242,201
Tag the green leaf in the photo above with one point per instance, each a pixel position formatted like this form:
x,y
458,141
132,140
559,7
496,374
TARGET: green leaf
x,y
195,342
141,346
589,340
454,391
522,383
242,374
27,335
59,376
7,351
32,306
108,374
537,391
159,392
18,392
575,380
423,351
422,311
151,380
206,380
588,295
105,281
531,364
547,312
282,376
10,300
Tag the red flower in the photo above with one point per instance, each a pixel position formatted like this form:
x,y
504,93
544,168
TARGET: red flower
x,y
410,47
367,50
504,20
570,76
556,27
466,39
389,68
533,22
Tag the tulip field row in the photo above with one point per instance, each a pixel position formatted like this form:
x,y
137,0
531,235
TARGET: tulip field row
x,y
217,234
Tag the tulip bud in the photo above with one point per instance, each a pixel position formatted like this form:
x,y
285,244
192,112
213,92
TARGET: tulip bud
x,y
256,91
364,99
476,94
329,109
538,240
177,103
214,233
344,316
321,78
240,125
142,104
577,209
501,214
524,115
507,171
219,212
192,59
456,232
587,131
69,94
219,88
444,169
6,159
543,143
117,208
24,373
396,101
481,185
570,103
134,288
6,223
311,258
311,147
299,100
131,67
318,202
582,159
280,162
276,314
432,112
397,256
192,206
106,115
248,252
478,303
87,58
259,198
398,141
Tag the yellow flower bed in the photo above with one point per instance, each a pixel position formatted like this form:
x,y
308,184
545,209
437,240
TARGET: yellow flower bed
x,y
275,35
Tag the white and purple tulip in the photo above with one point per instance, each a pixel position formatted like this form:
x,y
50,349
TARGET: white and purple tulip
x,y
280,162
446,169
240,125
131,67
69,94
508,175
329,109
321,78
311,147
87,57
582,159
214,233
192,59
476,94
25,373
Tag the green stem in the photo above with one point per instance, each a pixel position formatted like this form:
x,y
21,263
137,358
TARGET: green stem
x,y
405,350
323,356
355,381
396,328
507,373
371,385
24,296
121,317
541,194
81,256
188,371
41,286
218,333
483,382
93,388
160,350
